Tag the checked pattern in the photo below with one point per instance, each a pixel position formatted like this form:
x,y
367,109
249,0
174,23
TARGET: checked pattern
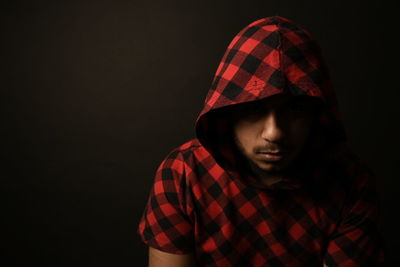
x,y
203,201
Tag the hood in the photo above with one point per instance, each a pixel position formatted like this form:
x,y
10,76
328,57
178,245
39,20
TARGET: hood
x,y
272,55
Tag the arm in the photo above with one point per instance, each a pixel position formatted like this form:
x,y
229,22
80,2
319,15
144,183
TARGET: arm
x,y
166,225
358,239
158,258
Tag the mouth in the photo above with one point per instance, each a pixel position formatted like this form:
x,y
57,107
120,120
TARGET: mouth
x,y
272,156
272,152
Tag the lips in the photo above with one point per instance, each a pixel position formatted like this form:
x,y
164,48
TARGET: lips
x,y
272,156
273,152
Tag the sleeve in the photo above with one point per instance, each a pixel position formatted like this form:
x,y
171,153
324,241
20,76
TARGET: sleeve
x,y
358,238
165,223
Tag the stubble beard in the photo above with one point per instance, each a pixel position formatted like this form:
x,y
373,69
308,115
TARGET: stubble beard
x,y
291,170
255,168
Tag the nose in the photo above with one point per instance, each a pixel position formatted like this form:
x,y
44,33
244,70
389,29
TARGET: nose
x,y
272,129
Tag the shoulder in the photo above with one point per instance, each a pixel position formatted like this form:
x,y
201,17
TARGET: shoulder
x,y
189,146
354,173
348,174
359,170
186,155
186,151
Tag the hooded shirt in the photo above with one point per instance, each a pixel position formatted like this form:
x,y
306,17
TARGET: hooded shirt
x,y
206,200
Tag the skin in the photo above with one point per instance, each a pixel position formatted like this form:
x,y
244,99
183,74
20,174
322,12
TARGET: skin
x,y
158,258
275,123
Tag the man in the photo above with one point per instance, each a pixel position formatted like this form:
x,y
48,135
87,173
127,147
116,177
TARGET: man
x,y
269,180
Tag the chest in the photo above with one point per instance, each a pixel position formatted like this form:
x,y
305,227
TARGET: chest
x,y
246,220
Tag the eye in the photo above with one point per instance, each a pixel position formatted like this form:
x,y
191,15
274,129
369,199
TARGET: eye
x,y
297,106
250,111
300,107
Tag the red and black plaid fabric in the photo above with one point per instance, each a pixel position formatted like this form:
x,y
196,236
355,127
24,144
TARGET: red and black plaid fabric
x,y
203,201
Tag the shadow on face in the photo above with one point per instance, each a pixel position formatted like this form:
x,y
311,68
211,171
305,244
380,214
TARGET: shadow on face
x,y
272,132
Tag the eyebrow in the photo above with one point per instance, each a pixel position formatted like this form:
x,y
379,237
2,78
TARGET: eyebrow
x,y
302,99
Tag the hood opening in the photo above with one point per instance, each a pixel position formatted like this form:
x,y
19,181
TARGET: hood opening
x,y
270,56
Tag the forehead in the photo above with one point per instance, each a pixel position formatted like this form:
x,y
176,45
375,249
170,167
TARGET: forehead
x,y
279,100
275,100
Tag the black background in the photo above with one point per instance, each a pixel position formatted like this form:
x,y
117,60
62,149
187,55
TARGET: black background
x,y
96,93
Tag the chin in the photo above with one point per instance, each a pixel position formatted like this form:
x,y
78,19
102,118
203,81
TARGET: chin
x,y
271,167
263,166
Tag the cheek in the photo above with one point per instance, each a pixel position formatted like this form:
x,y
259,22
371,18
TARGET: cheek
x,y
245,135
300,130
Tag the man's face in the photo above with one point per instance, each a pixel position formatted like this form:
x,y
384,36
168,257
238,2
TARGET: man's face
x,y
272,132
